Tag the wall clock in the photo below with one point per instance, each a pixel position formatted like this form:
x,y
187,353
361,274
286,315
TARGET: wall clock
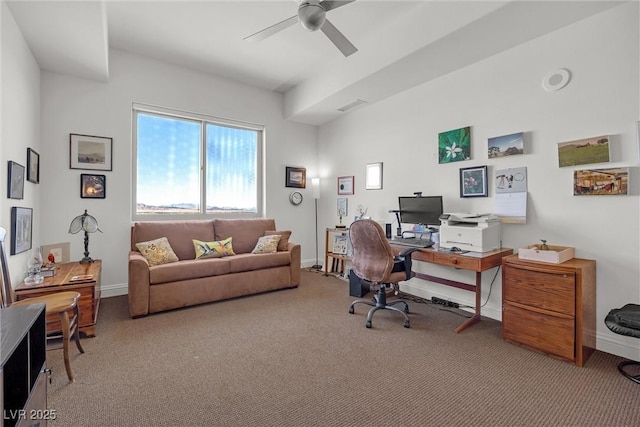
x,y
295,198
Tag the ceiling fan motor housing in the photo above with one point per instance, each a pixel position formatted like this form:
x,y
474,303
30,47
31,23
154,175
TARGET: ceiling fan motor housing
x,y
311,15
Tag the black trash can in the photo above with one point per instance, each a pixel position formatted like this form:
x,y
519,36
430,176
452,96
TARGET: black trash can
x,y
357,286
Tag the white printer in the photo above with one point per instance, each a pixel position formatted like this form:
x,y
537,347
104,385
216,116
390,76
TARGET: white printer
x,y
470,232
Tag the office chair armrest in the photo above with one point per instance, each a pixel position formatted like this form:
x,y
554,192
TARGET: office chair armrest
x,y
405,257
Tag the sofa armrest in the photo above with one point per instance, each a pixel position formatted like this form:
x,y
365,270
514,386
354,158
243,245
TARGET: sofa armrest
x,y
138,285
295,250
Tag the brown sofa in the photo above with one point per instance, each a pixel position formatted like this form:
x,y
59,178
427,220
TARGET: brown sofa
x,y
191,281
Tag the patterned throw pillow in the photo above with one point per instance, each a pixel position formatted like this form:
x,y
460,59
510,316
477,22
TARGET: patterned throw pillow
x,y
267,245
217,249
283,244
157,251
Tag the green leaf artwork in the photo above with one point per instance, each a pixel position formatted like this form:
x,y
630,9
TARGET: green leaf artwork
x,y
454,145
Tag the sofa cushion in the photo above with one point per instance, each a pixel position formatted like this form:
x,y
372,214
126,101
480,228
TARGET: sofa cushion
x,y
179,234
245,232
249,262
217,249
283,244
157,251
188,269
267,245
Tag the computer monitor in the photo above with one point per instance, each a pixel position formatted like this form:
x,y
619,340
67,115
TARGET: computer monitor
x,y
420,210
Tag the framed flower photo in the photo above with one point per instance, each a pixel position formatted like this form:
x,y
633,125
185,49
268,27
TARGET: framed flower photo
x,y
473,182
454,145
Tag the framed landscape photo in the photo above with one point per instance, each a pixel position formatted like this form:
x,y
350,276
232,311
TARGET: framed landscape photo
x,y
93,186
90,152
345,185
473,182
295,177
584,151
15,180
33,166
21,226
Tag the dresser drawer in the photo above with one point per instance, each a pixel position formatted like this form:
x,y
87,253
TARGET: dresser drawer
x,y
548,334
554,291
455,260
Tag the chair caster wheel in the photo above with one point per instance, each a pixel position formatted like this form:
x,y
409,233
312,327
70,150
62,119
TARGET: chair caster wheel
x,y
350,310
406,324
368,324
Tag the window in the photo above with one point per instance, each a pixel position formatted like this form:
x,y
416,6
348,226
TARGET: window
x,y
192,166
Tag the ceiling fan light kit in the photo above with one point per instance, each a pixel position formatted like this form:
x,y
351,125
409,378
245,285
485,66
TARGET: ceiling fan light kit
x,y
312,15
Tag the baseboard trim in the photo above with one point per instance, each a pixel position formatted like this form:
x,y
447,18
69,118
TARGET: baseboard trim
x,y
107,291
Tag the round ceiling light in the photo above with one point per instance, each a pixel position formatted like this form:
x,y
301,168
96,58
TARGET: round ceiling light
x,y
556,80
311,15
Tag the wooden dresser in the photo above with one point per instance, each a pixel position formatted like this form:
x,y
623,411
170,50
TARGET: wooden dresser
x,y
550,308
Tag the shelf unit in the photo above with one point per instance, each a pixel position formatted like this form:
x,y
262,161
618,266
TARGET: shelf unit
x,y
337,259
550,308
23,366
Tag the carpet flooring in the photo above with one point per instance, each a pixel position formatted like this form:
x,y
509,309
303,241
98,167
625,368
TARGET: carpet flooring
x,y
298,358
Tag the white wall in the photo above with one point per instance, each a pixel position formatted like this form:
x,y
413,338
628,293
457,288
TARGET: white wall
x,y
74,105
499,96
20,124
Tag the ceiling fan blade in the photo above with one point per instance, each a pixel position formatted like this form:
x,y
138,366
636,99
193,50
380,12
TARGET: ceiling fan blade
x,y
334,4
275,28
338,39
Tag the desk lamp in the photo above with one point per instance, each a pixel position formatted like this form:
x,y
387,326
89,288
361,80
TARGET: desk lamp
x,y
88,224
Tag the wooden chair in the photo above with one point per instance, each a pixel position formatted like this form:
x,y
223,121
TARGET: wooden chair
x,y
56,304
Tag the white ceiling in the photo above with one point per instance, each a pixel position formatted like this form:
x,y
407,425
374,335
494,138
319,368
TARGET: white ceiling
x,y
401,43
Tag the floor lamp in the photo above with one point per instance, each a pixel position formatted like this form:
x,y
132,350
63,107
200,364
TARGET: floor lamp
x,y
315,183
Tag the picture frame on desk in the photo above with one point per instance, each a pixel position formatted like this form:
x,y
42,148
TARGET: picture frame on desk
x,y
56,253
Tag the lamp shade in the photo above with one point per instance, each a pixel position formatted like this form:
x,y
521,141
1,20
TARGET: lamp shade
x,y
315,184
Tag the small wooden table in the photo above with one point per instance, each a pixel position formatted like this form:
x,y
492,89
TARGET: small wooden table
x,y
67,278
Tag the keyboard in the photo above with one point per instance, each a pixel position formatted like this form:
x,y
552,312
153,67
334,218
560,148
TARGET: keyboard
x,y
412,241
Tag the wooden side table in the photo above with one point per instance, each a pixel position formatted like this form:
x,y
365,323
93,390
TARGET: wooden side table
x,y
69,277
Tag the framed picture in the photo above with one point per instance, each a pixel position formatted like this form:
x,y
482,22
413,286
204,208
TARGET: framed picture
x,y
473,182
15,181
374,176
345,185
601,182
454,145
295,177
343,209
507,145
33,166
93,186
90,152
584,151
57,253
21,223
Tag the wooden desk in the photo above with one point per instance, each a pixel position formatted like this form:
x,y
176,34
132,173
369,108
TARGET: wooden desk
x,y
473,261
89,290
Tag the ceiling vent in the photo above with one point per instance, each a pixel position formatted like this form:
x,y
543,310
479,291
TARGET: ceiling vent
x,y
352,105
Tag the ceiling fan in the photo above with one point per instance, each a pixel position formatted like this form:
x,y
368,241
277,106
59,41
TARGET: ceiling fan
x,y
312,16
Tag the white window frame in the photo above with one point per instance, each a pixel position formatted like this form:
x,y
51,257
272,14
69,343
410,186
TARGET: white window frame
x,y
204,119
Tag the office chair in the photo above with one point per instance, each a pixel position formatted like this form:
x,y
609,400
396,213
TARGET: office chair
x,y
626,321
374,262
59,303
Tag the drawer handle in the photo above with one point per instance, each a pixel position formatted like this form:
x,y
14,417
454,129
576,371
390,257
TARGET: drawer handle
x,y
454,261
